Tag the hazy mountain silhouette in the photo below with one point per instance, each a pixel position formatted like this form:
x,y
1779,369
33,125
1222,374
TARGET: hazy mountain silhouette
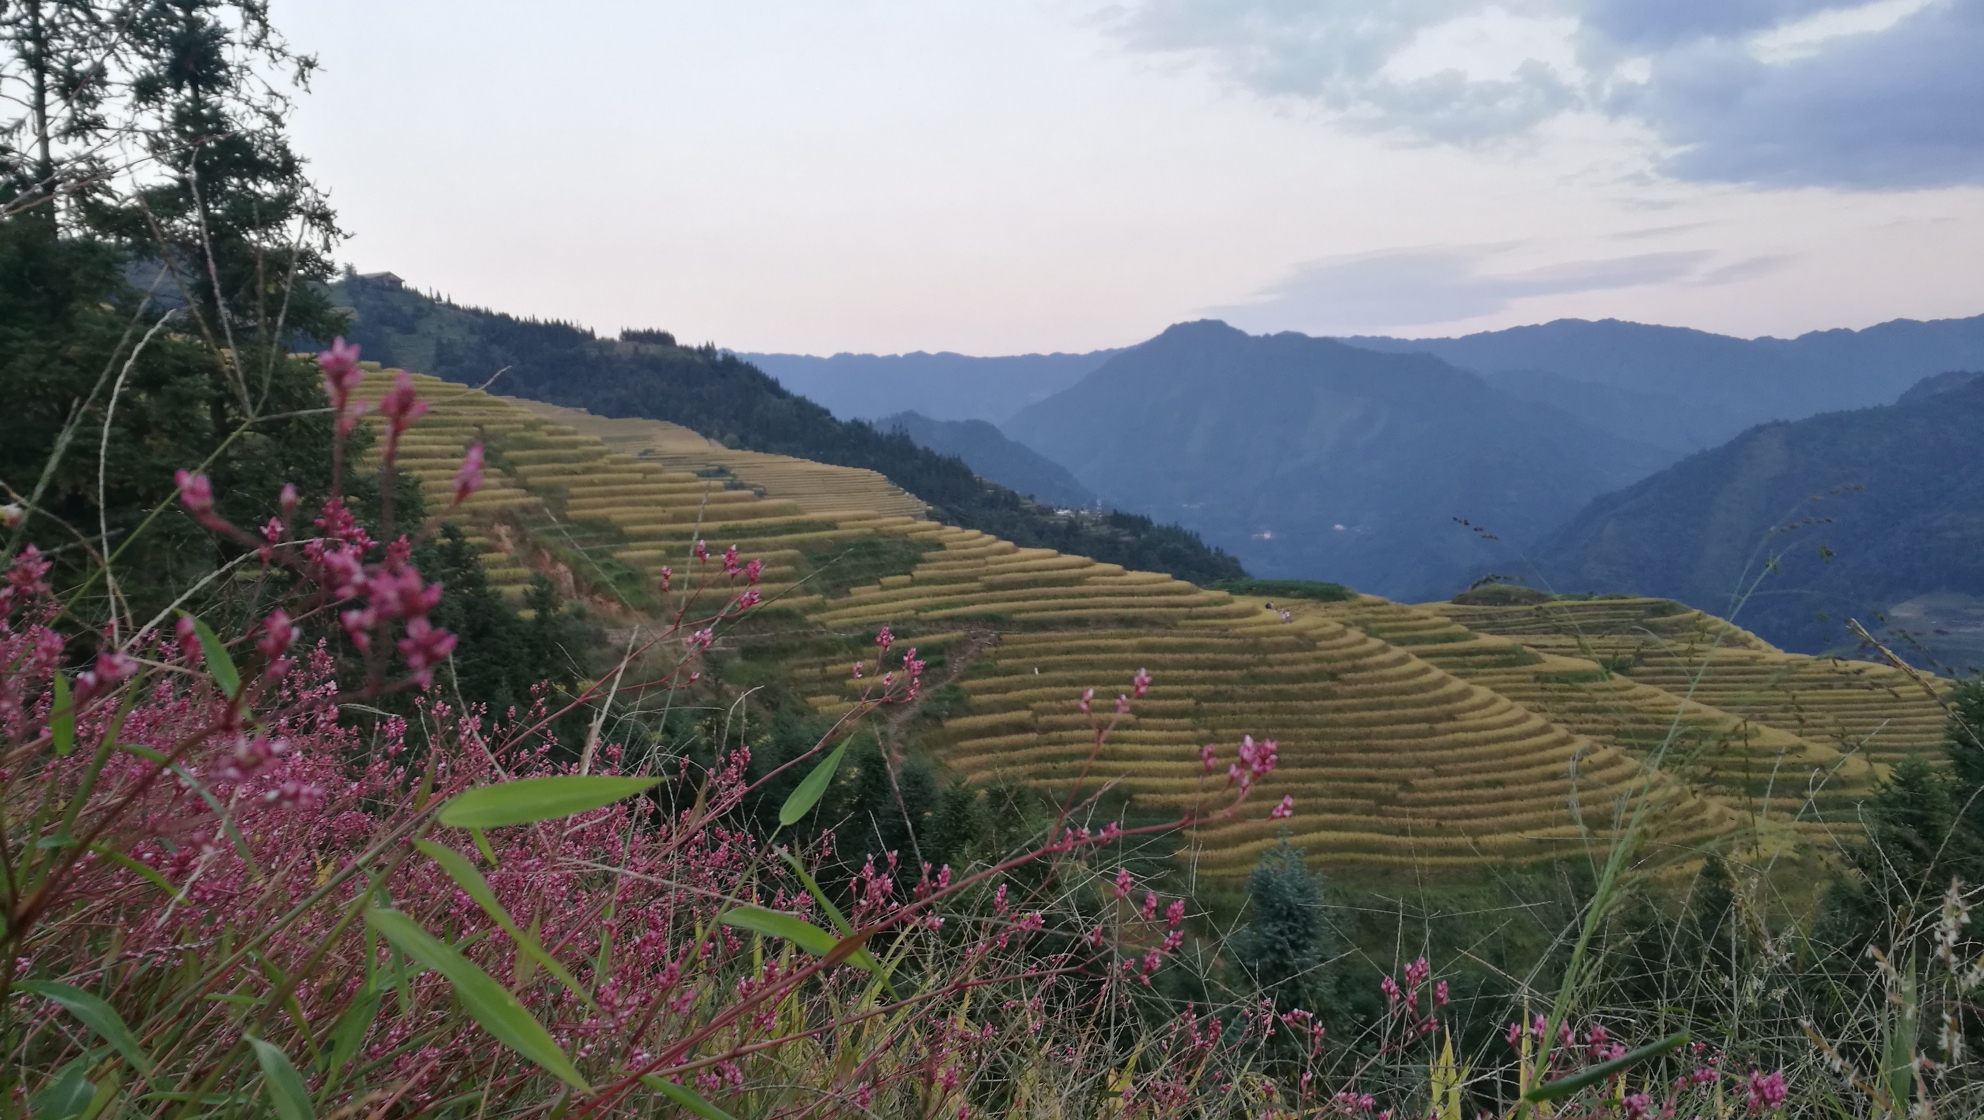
x,y
941,386
1309,458
993,456
1720,384
1857,512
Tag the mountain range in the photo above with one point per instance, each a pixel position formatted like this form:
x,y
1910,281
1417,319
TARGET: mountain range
x,y
1795,527
1310,458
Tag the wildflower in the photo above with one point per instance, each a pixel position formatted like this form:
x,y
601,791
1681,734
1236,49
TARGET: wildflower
x,y
12,514
1440,994
1122,704
1638,1106
401,405
278,634
196,493
1140,683
1150,905
731,566
1082,704
702,551
754,570
1767,1093
857,670
1515,1034
111,669
1123,882
748,599
288,500
885,638
424,647
667,573
1284,810
1206,754
341,373
469,478
701,640
295,795
188,635
1389,986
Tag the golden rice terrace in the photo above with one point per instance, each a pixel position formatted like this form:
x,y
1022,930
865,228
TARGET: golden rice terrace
x,y
1436,736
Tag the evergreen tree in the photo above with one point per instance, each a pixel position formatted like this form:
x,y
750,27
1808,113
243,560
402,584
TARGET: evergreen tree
x,y
1287,949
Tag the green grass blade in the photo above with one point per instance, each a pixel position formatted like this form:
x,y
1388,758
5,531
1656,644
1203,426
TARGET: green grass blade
x,y
279,1077
62,715
219,662
802,933
537,799
1565,1086
810,791
68,1096
476,887
486,1001
686,1097
349,1033
95,1014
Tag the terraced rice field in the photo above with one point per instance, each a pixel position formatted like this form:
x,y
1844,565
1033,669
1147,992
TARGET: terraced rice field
x,y
817,488
1425,736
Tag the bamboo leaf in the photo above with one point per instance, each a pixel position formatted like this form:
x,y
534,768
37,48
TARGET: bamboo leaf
x,y
804,934
349,1032
1565,1086
96,1015
813,788
68,1096
62,715
686,1097
537,799
476,887
219,662
279,1077
486,1001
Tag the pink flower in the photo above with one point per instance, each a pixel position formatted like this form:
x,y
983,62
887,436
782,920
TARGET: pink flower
x,y
288,500
857,670
1174,914
885,638
189,640
1081,705
667,574
1122,704
424,647
1767,1093
1639,1106
1140,683
1440,994
731,566
1206,754
1123,882
278,634
1284,810
754,570
196,493
1515,1034
469,479
401,405
702,551
341,372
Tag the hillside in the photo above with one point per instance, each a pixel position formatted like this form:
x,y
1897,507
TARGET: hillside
x,y
645,374
1308,458
943,386
1714,386
1409,739
1862,514
992,455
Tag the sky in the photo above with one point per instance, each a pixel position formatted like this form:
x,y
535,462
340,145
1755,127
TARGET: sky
x,y
1013,176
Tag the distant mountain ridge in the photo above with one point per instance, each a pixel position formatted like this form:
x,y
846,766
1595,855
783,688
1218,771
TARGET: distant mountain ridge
x,y
942,386
992,455
1724,384
1857,513
1311,458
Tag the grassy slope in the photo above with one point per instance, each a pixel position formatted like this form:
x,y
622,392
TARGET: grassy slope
x,y
729,400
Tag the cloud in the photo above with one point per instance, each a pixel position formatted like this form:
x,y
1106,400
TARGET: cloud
x,y
1857,94
1436,285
